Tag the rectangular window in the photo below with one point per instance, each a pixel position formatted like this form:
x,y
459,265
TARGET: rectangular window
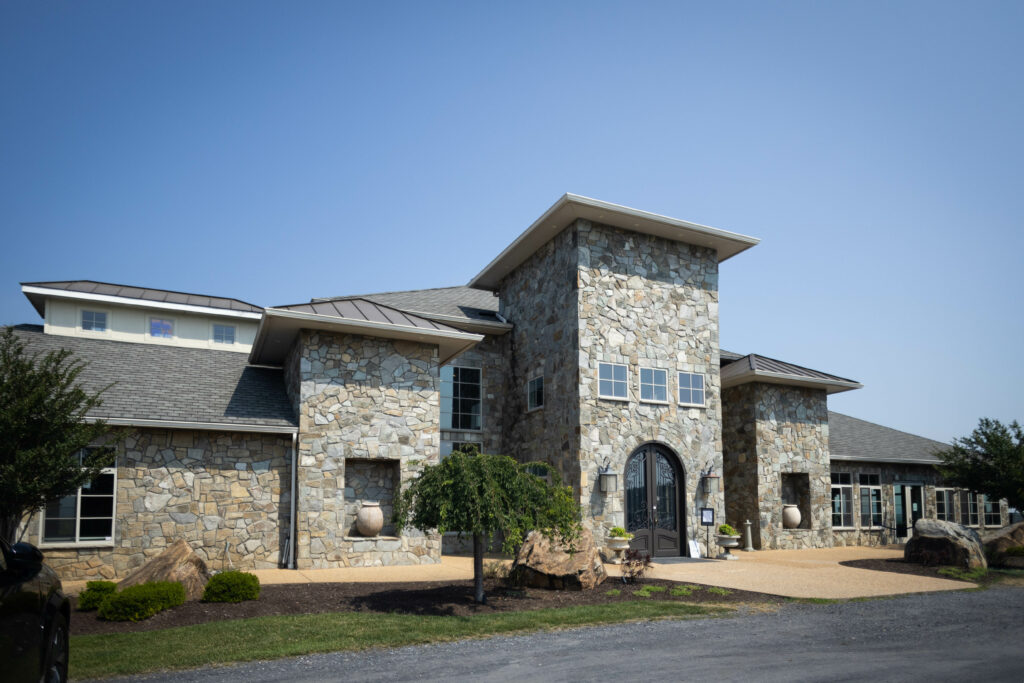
x,y
968,508
461,402
653,385
992,515
535,393
223,334
691,389
944,505
842,499
86,516
449,447
870,500
161,327
95,321
611,380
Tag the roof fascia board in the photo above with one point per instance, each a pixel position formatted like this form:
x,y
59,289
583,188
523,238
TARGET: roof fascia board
x,y
139,303
873,458
577,206
734,379
207,426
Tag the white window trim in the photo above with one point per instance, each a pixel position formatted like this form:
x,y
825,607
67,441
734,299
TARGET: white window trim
x,y
481,399
951,508
850,488
678,383
624,399
93,309
979,510
640,388
149,328
870,487
529,381
986,499
213,340
78,522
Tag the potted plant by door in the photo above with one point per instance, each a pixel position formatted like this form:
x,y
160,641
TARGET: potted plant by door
x,y
618,541
727,538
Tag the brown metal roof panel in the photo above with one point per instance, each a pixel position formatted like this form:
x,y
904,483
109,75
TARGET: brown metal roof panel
x,y
372,312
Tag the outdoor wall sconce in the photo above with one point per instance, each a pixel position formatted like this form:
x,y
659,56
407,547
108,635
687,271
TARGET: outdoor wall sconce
x,y
709,481
609,480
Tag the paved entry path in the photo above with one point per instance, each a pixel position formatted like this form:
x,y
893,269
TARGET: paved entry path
x,y
813,573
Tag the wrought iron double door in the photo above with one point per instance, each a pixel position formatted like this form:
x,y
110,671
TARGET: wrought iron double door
x,y
654,502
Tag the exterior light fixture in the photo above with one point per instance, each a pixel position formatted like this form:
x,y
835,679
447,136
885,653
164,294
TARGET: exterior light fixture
x,y
709,480
609,480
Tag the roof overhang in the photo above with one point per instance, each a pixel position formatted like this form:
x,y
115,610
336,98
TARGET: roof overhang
x,y
279,328
571,207
732,378
208,426
469,324
38,296
873,458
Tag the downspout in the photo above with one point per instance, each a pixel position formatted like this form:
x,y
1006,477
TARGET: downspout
x,y
291,519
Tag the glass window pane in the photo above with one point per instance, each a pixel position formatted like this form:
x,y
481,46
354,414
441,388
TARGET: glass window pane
x,y
697,397
620,389
97,506
604,371
59,530
619,373
64,507
697,381
605,388
103,484
646,392
646,376
659,393
96,529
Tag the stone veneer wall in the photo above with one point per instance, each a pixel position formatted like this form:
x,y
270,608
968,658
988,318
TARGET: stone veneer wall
x,y
739,458
791,436
366,398
646,302
227,494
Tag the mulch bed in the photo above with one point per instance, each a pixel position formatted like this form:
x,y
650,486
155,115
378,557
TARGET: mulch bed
x,y
405,598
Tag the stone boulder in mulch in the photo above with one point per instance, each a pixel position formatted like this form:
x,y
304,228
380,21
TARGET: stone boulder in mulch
x,y
999,541
543,564
936,542
176,563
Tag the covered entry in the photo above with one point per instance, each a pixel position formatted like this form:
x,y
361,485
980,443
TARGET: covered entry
x,y
655,501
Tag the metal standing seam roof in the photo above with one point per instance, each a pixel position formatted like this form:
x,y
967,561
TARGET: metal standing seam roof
x,y
851,438
364,310
755,368
458,302
172,384
145,294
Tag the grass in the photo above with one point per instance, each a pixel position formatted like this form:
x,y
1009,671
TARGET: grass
x,y
719,591
681,592
223,642
976,574
648,591
613,592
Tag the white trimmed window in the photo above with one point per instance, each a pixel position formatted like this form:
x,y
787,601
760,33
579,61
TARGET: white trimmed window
x,y
691,389
870,500
162,328
94,321
944,505
449,447
653,385
612,381
968,508
842,500
86,517
992,514
535,393
461,402
223,334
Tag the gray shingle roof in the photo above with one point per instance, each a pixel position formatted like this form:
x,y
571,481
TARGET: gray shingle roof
x,y
146,294
153,382
460,302
360,309
850,438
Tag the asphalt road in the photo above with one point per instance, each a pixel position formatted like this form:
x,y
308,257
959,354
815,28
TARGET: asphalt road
x,y
951,636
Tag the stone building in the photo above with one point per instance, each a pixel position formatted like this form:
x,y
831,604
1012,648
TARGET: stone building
x,y
591,343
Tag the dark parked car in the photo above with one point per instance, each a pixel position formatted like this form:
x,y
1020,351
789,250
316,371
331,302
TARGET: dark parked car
x,y
34,616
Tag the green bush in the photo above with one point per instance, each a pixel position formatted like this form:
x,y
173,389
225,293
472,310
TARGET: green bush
x,y
728,530
1016,551
94,594
232,586
619,532
143,601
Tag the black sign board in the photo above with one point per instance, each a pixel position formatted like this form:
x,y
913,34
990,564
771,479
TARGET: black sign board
x,y
707,516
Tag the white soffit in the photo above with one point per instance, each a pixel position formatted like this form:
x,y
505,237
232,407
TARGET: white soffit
x,y
571,207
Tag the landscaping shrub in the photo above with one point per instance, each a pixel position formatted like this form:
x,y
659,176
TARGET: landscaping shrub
x,y
232,586
1016,551
634,565
143,601
94,594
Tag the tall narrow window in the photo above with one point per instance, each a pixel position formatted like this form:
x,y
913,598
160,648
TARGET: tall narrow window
x,y
842,499
461,403
161,327
944,505
992,514
611,380
870,500
968,508
691,389
653,385
223,334
94,321
535,393
85,516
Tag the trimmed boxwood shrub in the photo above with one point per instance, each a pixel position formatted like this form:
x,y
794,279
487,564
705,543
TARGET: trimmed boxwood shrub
x,y
143,601
232,586
94,594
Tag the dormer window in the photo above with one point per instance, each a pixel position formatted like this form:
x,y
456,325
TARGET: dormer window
x,y
162,328
223,334
94,321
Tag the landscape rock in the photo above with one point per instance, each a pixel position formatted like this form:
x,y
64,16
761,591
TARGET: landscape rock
x,y
999,541
936,542
177,563
543,564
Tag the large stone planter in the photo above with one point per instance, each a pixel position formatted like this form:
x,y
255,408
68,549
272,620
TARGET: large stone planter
x,y
370,519
726,543
617,545
790,517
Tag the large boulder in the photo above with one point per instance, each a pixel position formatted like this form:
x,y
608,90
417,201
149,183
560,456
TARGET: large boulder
x,y
543,564
176,563
999,541
936,542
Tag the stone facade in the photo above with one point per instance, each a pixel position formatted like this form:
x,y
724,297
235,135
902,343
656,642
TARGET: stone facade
x,y
361,399
490,356
776,435
226,494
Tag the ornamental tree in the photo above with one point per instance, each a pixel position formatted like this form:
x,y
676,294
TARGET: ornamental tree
x,y
990,461
42,426
483,495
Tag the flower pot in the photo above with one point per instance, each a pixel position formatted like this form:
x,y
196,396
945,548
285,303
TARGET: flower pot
x,y
370,519
790,516
727,542
617,545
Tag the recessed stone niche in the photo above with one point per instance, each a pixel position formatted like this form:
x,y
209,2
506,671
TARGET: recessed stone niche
x,y
370,480
796,490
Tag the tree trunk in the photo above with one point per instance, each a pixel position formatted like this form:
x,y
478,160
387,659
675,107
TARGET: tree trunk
x,y
478,568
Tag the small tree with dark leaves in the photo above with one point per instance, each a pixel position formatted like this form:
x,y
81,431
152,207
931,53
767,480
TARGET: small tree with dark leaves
x,y
989,461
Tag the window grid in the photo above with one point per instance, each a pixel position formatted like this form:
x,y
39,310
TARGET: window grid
x,y
992,515
461,403
842,495
535,393
162,328
84,517
94,321
870,500
691,389
968,508
944,505
223,334
612,380
653,385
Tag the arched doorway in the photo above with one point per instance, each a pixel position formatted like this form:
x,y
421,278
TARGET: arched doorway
x,y
655,500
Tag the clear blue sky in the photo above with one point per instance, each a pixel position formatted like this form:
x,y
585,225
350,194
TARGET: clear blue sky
x,y
278,151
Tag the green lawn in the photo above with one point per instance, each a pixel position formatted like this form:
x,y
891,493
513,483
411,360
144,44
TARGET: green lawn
x,y
221,642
